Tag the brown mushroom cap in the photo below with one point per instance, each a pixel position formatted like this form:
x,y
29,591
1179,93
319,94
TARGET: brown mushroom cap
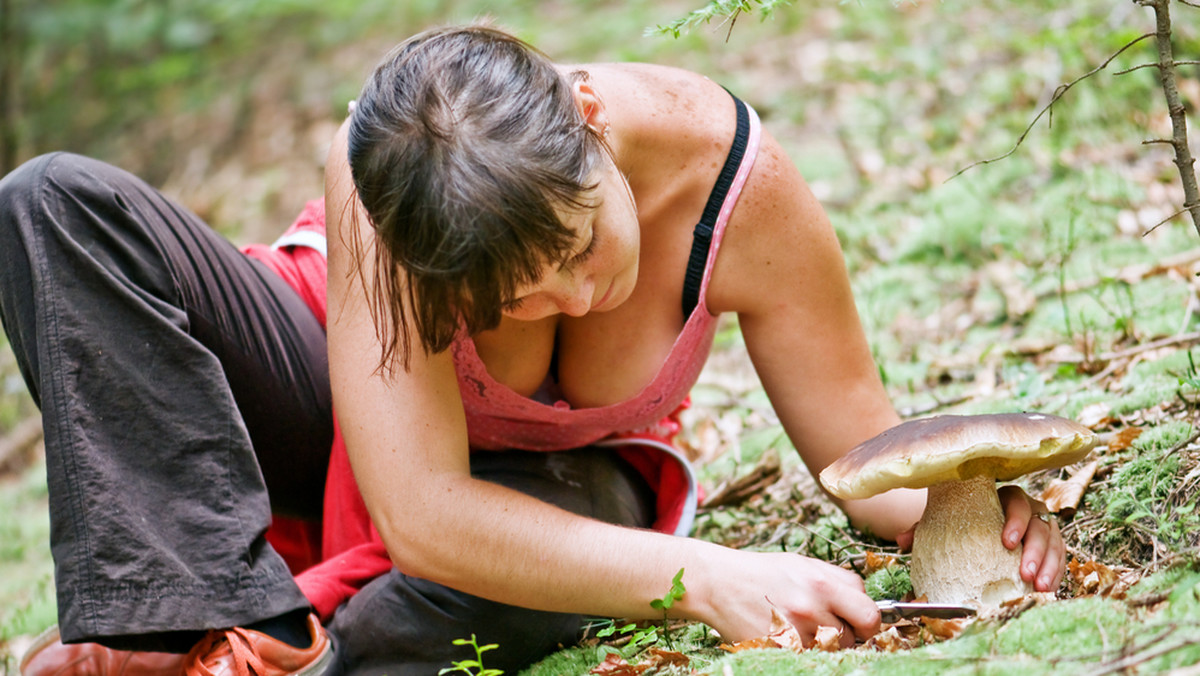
x,y
920,453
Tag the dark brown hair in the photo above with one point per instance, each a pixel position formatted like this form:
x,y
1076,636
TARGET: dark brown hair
x,y
462,144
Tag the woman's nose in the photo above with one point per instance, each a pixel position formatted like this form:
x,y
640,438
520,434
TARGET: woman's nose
x,y
575,297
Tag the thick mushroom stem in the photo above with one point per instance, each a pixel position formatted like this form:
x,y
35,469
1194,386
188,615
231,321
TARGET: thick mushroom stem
x,y
957,554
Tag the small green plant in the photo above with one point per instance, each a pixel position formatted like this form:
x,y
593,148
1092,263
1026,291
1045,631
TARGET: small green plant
x,y
643,637
639,637
664,604
466,666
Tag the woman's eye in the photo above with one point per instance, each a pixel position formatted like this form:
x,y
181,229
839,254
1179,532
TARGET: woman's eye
x,y
587,253
513,305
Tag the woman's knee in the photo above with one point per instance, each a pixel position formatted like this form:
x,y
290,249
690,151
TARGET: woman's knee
x,y
48,188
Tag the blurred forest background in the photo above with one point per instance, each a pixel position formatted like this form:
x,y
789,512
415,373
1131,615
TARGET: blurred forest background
x,y
1044,281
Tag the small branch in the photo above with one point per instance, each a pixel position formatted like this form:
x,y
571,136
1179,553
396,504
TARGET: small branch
x,y
1172,341
1155,65
1142,657
1058,94
1130,274
1166,75
1164,221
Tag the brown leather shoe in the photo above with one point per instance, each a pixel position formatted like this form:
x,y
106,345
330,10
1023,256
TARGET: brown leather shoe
x,y
49,656
243,652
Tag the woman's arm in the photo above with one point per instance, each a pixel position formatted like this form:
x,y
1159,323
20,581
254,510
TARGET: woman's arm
x,y
407,442
781,269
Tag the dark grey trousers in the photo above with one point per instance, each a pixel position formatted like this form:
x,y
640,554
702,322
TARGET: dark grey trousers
x,y
184,391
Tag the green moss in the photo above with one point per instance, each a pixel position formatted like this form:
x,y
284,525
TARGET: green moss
x,y
1162,437
1077,629
1163,580
578,660
892,582
1145,396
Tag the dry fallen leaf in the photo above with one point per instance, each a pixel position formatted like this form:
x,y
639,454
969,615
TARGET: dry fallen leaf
x,y
1063,495
1095,416
945,629
1124,439
1091,577
782,635
876,562
828,639
889,641
660,657
615,665
750,644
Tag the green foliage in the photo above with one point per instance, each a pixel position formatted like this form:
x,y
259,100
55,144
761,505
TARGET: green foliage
x,y
27,586
639,637
473,667
890,582
1141,503
727,10
644,637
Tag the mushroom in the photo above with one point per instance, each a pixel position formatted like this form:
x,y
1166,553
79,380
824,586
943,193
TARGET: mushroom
x,y
957,553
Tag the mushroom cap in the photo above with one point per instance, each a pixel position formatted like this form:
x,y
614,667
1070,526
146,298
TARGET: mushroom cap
x,y
921,453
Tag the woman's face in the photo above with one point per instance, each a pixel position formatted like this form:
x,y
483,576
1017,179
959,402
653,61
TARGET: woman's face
x,y
601,271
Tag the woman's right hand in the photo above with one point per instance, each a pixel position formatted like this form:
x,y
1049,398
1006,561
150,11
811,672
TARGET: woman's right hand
x,y
807,592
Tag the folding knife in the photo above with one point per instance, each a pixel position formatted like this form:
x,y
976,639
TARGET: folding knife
x,y
894,611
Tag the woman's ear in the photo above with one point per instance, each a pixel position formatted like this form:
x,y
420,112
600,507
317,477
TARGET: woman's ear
x,y
590,107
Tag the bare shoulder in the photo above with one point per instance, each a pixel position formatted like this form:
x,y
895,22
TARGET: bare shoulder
x,y
663,99
339,184
779,236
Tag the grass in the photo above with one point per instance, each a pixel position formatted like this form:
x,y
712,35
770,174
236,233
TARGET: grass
x,y
997,289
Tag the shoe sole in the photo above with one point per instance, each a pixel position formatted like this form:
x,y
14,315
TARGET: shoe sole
x,y
319,666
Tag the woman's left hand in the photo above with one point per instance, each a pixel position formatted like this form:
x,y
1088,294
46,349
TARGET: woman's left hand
x,y
1044,558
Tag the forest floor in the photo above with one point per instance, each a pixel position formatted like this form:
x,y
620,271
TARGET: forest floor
x,y
1044,281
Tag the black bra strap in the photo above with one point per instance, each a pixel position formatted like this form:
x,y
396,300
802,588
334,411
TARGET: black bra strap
x,y
702,235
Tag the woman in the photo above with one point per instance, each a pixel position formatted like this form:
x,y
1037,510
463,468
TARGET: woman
x,y
514,265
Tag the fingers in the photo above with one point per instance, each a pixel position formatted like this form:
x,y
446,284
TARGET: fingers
x,y
1043,558
1043,562
827,596
1017,511
853,609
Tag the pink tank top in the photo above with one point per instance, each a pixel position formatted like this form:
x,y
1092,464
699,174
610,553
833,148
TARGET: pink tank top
x,y
499,418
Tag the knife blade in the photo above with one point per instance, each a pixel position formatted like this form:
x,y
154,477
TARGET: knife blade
x,y
894,611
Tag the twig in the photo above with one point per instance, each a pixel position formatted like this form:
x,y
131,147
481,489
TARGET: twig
x,y
1183,444
1130,274
1168,218
1155,65
1142,657
1058,94
1166,75
1169,341
930,408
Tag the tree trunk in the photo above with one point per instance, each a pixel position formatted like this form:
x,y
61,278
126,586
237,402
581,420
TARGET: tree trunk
x,y
8,86
1179,141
